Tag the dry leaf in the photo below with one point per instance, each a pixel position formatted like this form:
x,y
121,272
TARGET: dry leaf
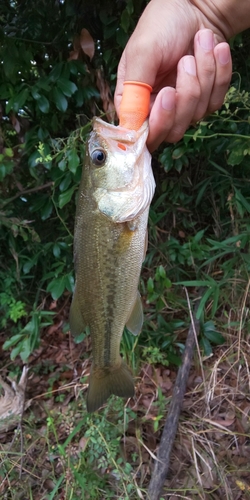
x,y
82,443
73,55
53,305
105,93
53,328
223,422
15,122
87,43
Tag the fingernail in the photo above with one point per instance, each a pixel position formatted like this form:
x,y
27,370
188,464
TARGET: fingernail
x,y
224,54
189,65
168,100
206,40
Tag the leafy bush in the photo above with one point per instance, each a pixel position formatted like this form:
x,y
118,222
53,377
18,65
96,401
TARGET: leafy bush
x,y
51,87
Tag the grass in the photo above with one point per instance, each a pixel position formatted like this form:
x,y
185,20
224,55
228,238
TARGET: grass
x,y
67,454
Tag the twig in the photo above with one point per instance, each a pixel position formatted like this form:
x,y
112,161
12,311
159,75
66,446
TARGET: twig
x,y
28,191
170,428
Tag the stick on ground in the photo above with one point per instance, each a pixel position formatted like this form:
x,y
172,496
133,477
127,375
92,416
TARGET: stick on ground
x,y
170,428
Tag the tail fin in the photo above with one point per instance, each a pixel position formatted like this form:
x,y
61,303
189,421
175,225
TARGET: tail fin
x,y
109,381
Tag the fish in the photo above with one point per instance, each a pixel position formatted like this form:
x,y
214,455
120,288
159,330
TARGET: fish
x,y
110,242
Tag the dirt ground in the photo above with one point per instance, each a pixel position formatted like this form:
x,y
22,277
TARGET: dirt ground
x,y
211,454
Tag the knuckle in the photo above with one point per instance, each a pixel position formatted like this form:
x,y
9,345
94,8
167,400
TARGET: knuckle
x,y
217,99
208,72
214,105
195,93
176,134
223,81
192,95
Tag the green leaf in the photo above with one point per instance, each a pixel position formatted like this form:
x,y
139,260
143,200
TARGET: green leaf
x,y
59,99
69,282
64,184
73,160
67,87
42,134
237,154
16,351
198,236
46,209
66,196
203,301
213,336
215,300
12,341
28,266
150,285
35,94
178,152
25,349
125,20
56,287
62,164
56,72
160,273
5,168
10,104
56,250
206,346
79,97
8,152
22,97
242,200
194,283
121,37
43,104
17,102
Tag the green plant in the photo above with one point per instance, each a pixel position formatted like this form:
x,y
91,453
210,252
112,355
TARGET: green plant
x,y
209,336
154,355
99,459
24,342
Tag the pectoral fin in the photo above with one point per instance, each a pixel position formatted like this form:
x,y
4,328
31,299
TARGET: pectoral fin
x,y
135,321
76,322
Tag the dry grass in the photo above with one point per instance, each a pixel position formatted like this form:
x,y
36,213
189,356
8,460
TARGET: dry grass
x,y
211,455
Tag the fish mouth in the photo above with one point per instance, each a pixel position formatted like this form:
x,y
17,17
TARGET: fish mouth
x,y
120,138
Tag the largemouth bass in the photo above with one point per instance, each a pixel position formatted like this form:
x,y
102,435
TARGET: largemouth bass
x,y
110,242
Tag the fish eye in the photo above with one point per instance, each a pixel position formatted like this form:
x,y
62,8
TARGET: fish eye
x,y
98,157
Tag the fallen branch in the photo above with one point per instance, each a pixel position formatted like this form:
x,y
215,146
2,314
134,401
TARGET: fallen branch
x,y
170,428
27,191
12,402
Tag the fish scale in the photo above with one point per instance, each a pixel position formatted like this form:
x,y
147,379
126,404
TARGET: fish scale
x,y
109,252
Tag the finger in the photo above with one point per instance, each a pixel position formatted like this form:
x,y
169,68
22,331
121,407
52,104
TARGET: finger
x,y
223,61
119,84
161,117
187,98
206,69
139,62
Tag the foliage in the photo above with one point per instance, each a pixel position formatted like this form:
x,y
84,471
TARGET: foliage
x,y
199,221
50,89
51,86
91,465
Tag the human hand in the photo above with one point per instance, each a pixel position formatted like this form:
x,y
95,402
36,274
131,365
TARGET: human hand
x,y
183,56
